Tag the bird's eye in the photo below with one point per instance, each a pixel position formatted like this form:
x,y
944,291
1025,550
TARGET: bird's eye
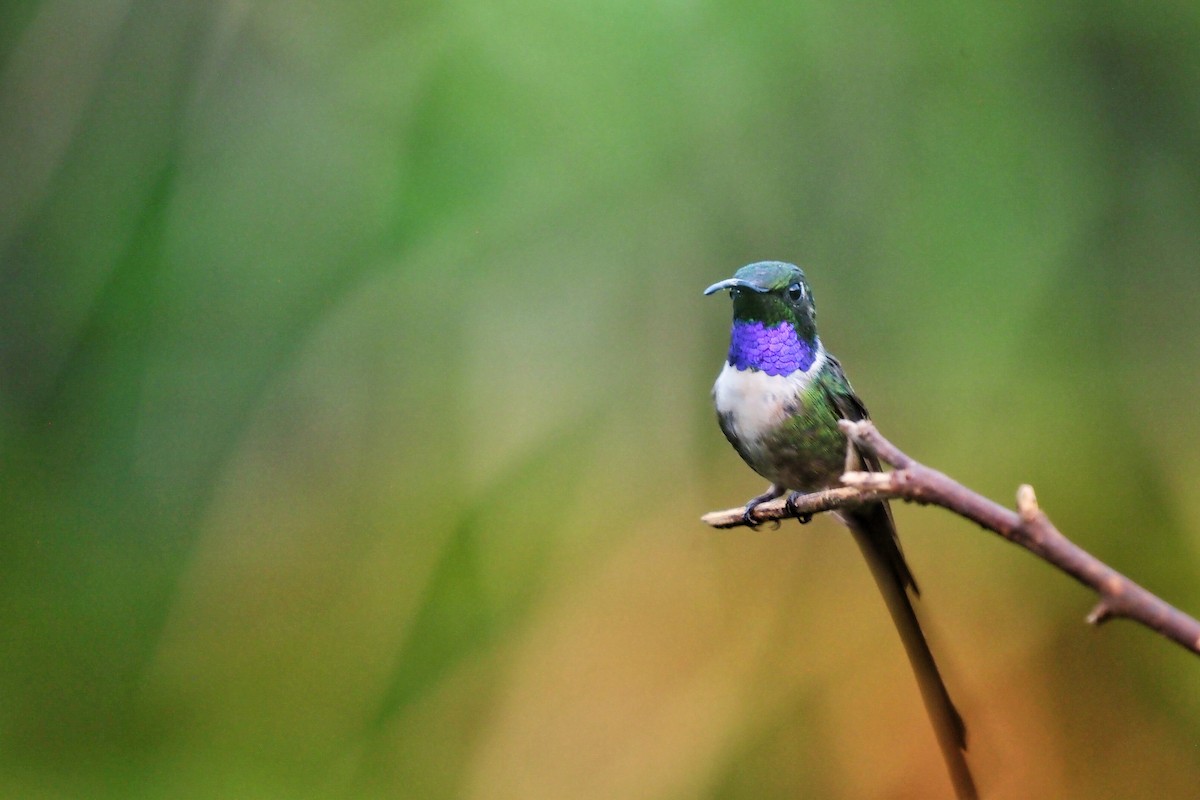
x,y
796,292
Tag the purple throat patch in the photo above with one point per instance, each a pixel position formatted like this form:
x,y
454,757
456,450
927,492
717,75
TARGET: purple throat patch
x,y
776,350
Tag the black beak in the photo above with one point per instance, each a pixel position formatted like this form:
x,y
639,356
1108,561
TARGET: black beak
x,y
735,283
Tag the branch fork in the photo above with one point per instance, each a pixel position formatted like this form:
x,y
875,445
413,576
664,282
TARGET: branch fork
x,y
1027,527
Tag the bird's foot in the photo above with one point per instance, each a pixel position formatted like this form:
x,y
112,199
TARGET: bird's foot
x,y
755,502
802,517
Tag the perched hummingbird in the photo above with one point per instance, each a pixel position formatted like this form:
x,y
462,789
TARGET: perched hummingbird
x,y
779,398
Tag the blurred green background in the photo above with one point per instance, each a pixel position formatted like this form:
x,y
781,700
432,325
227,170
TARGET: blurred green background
x,y
354,393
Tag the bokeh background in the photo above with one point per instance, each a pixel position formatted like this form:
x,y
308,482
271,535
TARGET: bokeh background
x,y
354,393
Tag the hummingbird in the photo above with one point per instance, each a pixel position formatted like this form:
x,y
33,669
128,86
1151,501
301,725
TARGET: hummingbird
x,y
779,398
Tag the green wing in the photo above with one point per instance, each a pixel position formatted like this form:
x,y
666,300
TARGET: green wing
x,y
876,517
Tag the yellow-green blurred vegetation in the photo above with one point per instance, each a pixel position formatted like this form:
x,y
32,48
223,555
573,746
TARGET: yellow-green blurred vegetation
x,y
354,394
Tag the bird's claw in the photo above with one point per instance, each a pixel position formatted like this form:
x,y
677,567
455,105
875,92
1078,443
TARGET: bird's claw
x,y
748,515
802,517
748,518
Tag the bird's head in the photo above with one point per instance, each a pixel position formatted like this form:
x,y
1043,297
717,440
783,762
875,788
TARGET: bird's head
x,y
771,293
774,321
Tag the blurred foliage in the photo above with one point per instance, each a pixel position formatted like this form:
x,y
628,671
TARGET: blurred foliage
x,y
354,381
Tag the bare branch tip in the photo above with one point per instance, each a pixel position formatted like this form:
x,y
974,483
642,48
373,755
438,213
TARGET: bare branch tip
x,y
1027,503
1100,614
851,460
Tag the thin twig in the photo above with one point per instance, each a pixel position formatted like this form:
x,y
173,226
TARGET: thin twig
x,y
1027,527
806,505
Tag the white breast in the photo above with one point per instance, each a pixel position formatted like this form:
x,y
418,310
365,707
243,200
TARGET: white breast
x,y
755,402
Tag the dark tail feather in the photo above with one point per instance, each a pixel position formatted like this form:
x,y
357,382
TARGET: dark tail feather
x,y
876,537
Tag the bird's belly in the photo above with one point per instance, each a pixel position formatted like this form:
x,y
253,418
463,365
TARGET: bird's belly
x,y
778,431
755,403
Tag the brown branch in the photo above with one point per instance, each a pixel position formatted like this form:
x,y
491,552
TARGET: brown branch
x,y
1027,527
